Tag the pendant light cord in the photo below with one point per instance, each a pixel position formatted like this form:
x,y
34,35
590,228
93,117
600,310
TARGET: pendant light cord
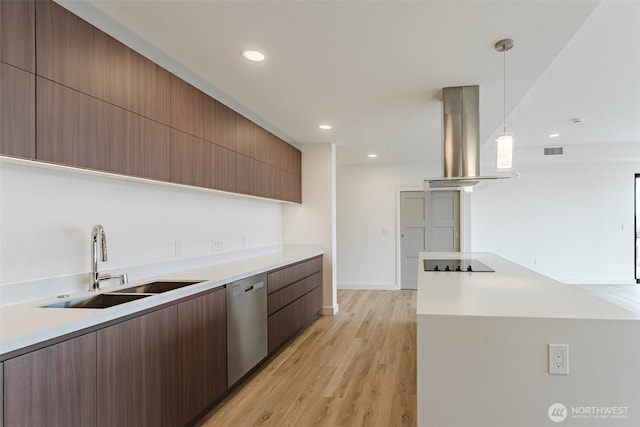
x,y
504,92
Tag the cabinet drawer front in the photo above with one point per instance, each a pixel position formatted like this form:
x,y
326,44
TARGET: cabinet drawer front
x,y
285,323
286,295
279,279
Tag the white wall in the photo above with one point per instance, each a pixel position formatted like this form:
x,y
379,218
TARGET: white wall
x,y
314,221
367,206
567,218
47,213
565,213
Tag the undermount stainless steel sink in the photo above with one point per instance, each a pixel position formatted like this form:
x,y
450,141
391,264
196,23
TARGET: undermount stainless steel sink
x,y
155,287
96,301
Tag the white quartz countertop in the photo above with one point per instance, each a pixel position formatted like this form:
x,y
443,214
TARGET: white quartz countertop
x,y
26,324
511,291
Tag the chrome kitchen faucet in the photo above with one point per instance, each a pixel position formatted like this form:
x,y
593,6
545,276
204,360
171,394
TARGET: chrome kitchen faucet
x,y
98,236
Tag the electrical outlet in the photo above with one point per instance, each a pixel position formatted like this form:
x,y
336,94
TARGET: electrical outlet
x,y
217,245
559,359
178,248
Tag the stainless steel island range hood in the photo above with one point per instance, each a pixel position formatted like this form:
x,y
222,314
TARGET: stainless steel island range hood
x,y
461,140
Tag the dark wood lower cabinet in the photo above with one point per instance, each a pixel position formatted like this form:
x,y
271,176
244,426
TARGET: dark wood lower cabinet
x,y
137,371
285,323
54,386
294,298
202,354
1,395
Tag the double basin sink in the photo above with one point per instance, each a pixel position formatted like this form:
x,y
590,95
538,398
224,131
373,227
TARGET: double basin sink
x,y
122,296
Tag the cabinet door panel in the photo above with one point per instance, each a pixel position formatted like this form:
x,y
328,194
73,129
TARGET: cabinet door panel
x,y
192,111
139,146
224,169
225,126
54,386
78,55
246,134
17,33
65,51
17,112
202,363
72,128
129,80
137,364
191,160
245,175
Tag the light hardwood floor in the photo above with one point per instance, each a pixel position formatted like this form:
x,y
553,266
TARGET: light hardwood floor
x,y
357,368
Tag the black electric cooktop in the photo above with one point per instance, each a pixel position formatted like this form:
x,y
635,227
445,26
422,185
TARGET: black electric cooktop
x,y
460,265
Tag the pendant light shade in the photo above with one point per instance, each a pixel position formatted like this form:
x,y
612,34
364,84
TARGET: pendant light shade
x,y
504,143
504,152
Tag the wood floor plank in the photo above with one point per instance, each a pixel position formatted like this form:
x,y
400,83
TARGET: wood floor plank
x,y
357,368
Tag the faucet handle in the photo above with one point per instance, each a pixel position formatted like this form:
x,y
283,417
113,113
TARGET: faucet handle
x,y
124,278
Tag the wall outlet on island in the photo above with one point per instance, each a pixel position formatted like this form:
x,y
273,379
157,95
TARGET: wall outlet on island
x,y
178,248
559,359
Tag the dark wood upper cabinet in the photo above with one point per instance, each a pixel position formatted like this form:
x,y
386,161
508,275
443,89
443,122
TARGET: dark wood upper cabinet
x,y
73,128
225,126
192,111
137,371
95,103
139,146
190,160
129,80
17,33
245,175
78,55
246,134
78,130
202,355
54,386
17,112
224,169
65,48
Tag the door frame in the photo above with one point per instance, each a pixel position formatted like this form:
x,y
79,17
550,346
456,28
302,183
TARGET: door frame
x,y
465,224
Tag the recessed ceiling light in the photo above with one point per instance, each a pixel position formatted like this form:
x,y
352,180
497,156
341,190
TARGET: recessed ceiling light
x,y
325,127
372,156
254,55
554,135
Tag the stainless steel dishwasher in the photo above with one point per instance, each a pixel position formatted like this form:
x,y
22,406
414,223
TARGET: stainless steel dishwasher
x,y
247,341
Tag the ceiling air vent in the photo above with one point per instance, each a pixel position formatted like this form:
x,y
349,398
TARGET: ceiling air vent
x,y
553,151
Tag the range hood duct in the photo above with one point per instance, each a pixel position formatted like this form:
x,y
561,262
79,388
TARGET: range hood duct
x,y
461,140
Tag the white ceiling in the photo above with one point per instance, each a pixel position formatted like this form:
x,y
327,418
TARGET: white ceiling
x,y
374,69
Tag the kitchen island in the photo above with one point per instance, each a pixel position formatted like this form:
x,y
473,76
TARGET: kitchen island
x,y
483,357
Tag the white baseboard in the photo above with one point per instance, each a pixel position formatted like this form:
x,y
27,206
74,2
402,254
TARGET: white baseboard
x,y
329,311
369,286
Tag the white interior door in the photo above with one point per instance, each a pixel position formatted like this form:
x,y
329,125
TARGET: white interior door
x,y
429,221
413,229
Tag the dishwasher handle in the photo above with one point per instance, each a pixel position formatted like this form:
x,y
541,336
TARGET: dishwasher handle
x,y
239,290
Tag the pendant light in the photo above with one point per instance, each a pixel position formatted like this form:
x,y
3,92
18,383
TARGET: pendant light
x,y
504,143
